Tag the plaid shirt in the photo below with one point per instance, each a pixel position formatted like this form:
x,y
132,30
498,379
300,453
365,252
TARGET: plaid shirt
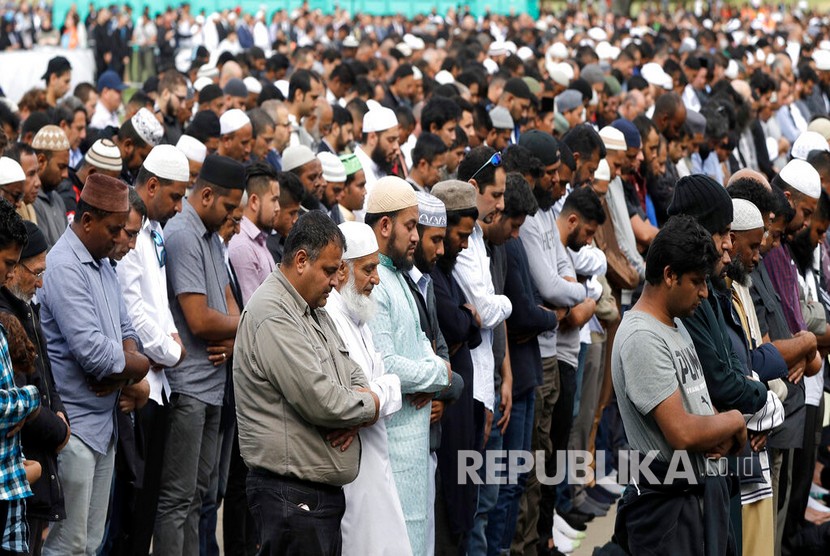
x,y
15,405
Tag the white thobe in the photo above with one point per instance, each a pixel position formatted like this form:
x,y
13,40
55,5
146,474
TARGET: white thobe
x,y
373,522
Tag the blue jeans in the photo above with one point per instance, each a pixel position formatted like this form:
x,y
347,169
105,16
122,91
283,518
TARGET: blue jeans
x,y
501,525
488,493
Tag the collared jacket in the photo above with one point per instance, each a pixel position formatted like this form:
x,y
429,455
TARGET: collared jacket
x,y
42,435
294,383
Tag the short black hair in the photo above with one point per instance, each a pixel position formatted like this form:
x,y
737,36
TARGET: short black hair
x,y
402,71
85,208
277,62
455,216
35,122
258,177
340,115
668,103
12,228
291,188
313,231
475,159
684,246
585,140
752,190
137,204
566,155
301,80
517,158
820,160
260,121
427,147
518,197
9,117
584,202
16,150
439,111
344,73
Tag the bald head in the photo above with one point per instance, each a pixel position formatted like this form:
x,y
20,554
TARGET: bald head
x,y
742,88
748,174
230,70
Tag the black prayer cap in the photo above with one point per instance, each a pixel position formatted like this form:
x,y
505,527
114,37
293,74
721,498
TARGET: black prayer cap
x,y
36,243
209,93
517,87
223,171
204,125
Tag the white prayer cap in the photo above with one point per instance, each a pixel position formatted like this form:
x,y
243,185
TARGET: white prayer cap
x,y
415,43
105,155
208,70
603,171
491,66
612,138
745,216
822,59
557,51
655,75
510,46
201,83
253,85
233,120
431,210
801,176
372,104
561,73
524,53
282,86
607,52
296,156
807,142
192,148
379,119
497,48
443,77
147,127
404,49
168,162
732,70
597,34
333,169
417,74
389,194
360,240
350,42
501,119
10,171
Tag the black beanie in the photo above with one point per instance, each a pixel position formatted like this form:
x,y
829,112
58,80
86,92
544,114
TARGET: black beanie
x,y
36,243
703,198
543,146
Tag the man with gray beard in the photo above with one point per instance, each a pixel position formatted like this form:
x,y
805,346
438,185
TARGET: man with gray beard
x,y
46,434
374,520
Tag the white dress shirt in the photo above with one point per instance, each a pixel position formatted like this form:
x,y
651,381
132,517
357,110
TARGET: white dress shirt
x,y
472,272
144,283
103,117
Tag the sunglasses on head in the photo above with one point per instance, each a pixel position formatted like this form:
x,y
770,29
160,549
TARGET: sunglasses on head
x,y
495,160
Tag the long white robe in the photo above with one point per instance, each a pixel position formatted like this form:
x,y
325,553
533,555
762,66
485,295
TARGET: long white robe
x,y
373,522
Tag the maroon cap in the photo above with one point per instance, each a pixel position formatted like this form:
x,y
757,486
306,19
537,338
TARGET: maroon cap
x,y
106,193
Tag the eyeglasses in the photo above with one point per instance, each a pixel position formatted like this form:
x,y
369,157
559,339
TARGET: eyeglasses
x,y
495,160
158,243
38,275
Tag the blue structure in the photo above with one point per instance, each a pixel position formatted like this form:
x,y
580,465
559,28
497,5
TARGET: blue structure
x,y
381,7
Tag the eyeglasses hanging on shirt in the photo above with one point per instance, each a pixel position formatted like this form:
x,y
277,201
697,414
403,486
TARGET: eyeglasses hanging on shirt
x,y
158,243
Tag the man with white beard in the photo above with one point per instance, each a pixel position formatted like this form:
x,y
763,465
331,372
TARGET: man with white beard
x,y
374,521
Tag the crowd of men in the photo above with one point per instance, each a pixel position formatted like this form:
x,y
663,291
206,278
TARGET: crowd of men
x,y
308,286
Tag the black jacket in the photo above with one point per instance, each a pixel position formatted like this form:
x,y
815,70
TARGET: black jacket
x,y
42,435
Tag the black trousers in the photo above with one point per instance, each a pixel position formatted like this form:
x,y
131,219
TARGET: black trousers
x,y
293,516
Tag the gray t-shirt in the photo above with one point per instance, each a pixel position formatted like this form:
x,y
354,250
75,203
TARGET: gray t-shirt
x,y
651,360
195,264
